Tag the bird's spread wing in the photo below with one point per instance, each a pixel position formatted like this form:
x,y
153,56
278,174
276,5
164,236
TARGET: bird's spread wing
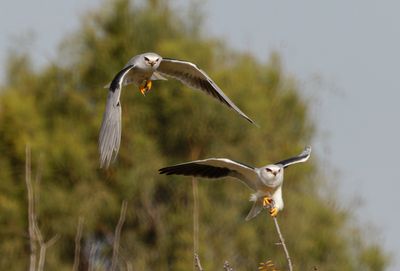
x,y
189,74
302,157
215,168
110,131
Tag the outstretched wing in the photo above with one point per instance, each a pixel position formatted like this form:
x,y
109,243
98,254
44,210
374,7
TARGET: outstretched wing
x,y
302,157
189,74
110,131
215,168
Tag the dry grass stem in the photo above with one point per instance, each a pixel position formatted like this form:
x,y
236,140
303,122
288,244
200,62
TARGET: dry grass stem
x,y
197,263
117,235
35,235
31,210
282,242
78,238
43,250
195,215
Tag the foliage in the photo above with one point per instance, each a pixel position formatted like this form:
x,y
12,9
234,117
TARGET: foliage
x,y
58,111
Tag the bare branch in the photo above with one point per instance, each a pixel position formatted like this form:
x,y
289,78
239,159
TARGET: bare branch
x,y
195,215
31,209
38,233
35,235
282,242
78,238
52,241
91,257
197,263
117,235
194,154
36,183
42,258
43,250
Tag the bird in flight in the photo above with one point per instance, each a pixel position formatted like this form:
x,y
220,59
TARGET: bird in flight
x,y
265,181
141,70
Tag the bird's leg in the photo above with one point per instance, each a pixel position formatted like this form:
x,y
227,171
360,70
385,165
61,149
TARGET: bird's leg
x,y
146,86
269,203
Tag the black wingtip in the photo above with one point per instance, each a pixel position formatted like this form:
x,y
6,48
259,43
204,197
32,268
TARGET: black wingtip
x,y
243,115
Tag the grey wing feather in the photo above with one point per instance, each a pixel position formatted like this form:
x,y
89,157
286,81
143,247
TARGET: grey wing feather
x,y
215,168
192,76
110,131
157,76
256,209
302,157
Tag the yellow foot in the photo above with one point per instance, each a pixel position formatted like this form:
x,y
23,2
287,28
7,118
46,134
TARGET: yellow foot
x,y
145,87
273,212
267,201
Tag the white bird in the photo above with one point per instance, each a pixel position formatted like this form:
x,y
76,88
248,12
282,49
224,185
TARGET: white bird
x,y
265,181
141,70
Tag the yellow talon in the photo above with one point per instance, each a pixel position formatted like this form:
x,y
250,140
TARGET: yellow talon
x,y
273,212
143,90
145,87
148,85
267,201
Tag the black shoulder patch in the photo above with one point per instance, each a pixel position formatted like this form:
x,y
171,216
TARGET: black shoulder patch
x,y
116,81
196,170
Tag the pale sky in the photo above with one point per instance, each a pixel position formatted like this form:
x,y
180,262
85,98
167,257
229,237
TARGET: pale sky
x,y
345,55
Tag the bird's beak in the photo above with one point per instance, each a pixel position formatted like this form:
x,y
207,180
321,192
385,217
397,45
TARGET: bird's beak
x,y
152,63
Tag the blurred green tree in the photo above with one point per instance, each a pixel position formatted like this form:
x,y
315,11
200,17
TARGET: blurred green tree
x,y
58,111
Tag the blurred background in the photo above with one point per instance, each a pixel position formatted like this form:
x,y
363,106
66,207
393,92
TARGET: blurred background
x,y
306,72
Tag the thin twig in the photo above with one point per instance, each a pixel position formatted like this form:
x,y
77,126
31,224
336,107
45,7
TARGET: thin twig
x,y
52,241
31,210
38,233
283,243
42,257
36,183
43,250
197,263
92,253
35,235
195,215
78,238
117,235
194,154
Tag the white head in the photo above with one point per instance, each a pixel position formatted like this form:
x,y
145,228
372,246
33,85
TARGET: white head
x,y
151,60
272,175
